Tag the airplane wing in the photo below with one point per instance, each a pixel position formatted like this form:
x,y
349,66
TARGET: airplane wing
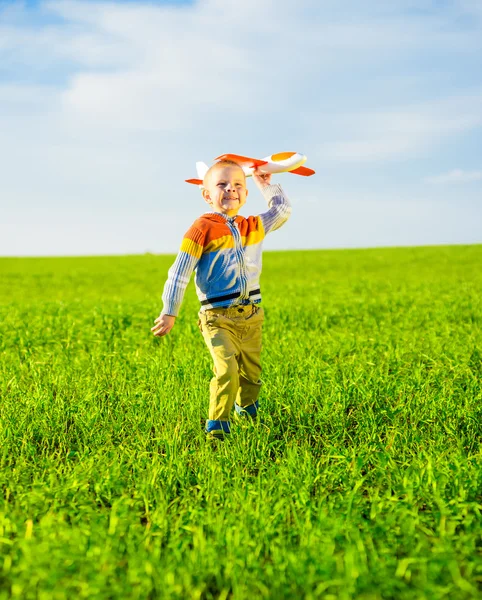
x,y
303,171
243,161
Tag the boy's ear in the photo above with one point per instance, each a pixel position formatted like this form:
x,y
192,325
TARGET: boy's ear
x,y
205,194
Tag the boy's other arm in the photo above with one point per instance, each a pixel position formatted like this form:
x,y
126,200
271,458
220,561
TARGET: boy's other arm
x,y
279,205
177,280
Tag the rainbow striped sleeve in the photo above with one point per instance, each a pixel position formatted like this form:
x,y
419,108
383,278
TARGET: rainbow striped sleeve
x,y
279,208
181,271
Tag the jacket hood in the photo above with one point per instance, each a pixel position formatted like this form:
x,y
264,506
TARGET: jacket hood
x,y
220,218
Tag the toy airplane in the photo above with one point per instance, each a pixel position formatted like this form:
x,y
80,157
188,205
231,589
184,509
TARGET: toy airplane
x,y
282,162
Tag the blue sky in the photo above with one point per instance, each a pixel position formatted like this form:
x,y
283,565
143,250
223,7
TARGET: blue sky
x,y
106,106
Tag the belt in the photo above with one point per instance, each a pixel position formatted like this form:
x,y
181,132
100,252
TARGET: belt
x,y
228,297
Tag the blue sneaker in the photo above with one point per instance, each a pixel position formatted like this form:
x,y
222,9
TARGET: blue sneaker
x,y
247,411
217,430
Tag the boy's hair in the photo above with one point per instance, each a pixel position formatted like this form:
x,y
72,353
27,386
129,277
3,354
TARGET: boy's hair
x,y
221,163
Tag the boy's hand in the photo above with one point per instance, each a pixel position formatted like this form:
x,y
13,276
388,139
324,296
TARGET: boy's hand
x,y
163,325
261,179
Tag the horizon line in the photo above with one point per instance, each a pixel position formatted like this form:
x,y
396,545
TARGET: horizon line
x,y
331,249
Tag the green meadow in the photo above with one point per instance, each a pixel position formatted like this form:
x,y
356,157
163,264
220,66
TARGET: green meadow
x,y
364,480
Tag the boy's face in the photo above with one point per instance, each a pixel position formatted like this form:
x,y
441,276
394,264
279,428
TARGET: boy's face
x,y
225,189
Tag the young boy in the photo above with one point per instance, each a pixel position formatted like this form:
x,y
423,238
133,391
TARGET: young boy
x,y
225,251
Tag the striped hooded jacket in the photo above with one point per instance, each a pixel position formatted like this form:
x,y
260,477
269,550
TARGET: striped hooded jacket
x,y
225,252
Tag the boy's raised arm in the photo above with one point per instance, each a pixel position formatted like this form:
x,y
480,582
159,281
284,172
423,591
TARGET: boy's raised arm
x,y
279,205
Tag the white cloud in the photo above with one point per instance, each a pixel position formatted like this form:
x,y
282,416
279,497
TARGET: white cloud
x,y
401,132
455,176
160,67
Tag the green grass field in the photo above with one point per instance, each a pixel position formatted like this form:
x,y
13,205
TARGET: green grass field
x,y
365,480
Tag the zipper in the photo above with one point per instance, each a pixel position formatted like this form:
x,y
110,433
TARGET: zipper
x,y
239,250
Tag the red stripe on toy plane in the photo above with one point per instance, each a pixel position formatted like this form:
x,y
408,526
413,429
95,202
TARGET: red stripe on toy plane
x,y
243,160
303,171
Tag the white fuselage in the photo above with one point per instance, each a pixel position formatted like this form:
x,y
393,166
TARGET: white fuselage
x,y
279,166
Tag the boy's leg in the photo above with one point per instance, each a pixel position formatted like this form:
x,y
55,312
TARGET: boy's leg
x,y
222,345
250,364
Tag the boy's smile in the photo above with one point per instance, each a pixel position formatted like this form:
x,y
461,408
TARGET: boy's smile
x,y
225,189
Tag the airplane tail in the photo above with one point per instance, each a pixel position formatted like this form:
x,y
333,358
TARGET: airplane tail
x,y
202,169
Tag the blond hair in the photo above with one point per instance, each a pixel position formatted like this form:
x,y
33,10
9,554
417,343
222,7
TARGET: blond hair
x,y
221,163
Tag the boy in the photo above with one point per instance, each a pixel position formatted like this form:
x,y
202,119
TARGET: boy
x,y
225,251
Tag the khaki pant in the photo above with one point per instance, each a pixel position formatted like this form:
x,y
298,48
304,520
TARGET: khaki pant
x,y
233,336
